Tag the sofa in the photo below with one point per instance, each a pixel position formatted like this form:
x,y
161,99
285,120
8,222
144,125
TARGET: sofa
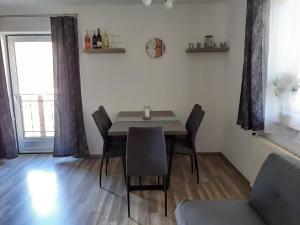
x,y
274,200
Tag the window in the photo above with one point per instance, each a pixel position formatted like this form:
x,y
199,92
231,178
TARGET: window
x,y
282,108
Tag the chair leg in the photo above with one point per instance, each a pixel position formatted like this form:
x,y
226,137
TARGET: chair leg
x,y
197,168
106,165
192,163
128,195
170,163
166,197
158,179
100,174
140,178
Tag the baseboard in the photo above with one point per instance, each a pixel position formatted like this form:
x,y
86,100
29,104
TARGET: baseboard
x,y
209,153
95,156
236,170
220,154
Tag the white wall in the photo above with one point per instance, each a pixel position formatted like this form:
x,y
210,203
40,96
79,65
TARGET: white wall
x,y
176,81
238,143
11,24
129,81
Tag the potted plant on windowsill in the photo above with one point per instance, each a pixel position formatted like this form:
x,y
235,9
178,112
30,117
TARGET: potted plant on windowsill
x,y
285,86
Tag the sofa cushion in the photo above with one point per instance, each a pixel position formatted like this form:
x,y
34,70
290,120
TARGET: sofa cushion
x,y
276,191
205,212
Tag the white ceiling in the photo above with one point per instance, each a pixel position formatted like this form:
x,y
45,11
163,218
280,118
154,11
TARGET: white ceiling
x,y
17,3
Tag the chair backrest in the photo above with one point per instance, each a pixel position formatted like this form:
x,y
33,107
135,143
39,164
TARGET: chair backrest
x,y
193,123
101,124
105,115
276,191
146,152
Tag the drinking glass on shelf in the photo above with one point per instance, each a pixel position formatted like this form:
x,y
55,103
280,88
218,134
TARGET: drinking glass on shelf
x,y
116,41
112,41
147,112
209,42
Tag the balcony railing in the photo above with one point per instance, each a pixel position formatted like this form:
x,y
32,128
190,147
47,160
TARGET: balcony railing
x,y
37,113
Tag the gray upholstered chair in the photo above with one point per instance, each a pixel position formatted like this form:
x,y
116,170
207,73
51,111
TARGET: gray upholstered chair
x,y
111,147
274,200
186,145
146,156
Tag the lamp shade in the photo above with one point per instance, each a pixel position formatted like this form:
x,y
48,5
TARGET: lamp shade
x,y
147,2
169,4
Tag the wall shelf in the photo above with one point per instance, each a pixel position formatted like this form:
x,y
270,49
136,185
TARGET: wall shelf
x,y
199,50
104,50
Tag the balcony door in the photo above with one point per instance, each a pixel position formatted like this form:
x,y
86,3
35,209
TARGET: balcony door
x,y
31,67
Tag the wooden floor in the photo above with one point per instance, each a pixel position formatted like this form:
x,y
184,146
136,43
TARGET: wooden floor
x,y
40,190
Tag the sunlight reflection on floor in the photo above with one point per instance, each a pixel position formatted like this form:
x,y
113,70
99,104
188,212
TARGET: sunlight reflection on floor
x,y
42,187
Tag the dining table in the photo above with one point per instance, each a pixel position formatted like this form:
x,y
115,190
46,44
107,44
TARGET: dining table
x,y
167,120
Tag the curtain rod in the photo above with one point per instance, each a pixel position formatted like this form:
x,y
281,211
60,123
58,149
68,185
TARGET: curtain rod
x,y
39,15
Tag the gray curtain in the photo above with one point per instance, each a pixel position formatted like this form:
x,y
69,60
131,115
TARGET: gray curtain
x,y
70,137
251,116
8,145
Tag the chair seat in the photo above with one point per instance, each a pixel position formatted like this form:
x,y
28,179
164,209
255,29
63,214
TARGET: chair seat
x,y
181,146
116,149
224,212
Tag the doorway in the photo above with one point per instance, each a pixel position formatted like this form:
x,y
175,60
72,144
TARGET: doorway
x,y
31,69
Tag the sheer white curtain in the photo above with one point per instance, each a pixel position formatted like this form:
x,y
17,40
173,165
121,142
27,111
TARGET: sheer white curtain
x,y
282,108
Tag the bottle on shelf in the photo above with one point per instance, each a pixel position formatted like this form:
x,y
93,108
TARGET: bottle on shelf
x,y
99,39
87,40
94,40
105,41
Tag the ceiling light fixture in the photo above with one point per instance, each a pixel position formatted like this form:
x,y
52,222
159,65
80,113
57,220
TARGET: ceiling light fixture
x,y
167,4
147,2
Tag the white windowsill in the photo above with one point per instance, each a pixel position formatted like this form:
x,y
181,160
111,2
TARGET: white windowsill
x,y
292,121
277,147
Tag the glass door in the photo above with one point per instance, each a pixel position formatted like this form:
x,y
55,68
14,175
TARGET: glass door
x,y
31,67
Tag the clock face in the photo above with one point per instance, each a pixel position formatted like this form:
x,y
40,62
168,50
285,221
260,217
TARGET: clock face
x,y
155,48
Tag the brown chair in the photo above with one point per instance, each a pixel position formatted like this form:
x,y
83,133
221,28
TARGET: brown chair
x,y
186,145
146,156
111,147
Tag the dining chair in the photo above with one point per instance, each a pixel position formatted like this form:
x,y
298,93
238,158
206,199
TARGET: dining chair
x,y
186,145
111,148
105,115
146,156
109,124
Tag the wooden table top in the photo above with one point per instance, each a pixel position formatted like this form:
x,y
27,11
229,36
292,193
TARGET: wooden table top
x,y
165,119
